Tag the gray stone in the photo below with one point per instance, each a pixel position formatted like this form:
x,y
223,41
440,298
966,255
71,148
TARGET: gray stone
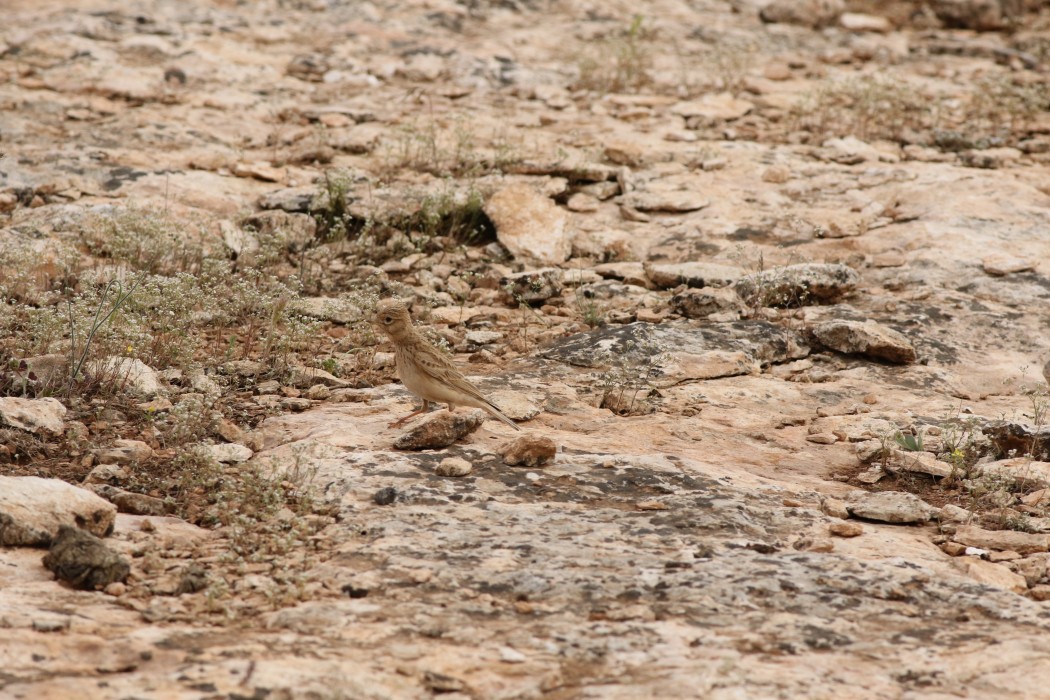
x,y
798,285
84,561
532,286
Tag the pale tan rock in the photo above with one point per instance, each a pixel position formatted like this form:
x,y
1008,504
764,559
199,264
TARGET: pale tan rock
x,y
672,201
1001,265
920,463
721,106
1020,470
868,338
1022,542
32,509
581,202
835,508
440,429
43,415
529,451
229,453
846,529
890,507
990,574
259,171
859,22
124,452
530,225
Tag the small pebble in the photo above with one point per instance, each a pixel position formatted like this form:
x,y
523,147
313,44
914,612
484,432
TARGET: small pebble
x,y
385,496
454,466
846,529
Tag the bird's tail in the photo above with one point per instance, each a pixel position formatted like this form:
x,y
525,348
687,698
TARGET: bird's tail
x,y
499,414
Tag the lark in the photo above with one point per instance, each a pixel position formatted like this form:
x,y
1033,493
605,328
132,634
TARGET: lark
x,y
425,370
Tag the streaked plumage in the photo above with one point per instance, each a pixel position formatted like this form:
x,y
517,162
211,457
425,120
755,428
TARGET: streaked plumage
x,y
425,370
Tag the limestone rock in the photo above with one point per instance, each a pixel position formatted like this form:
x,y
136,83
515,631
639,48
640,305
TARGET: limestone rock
x,y
919,463
112,474
84,561
859,22
530,225
1001,265
129,501
229,453
798,285
131,374
306,377
124,452
33,415
532,286
1003,540
808,13
441,429
513,405
529,451
701,303
453,466
868,338
32,509
991,574
692,274
674,354
1019,471
890,507
716,107
671,201
846,529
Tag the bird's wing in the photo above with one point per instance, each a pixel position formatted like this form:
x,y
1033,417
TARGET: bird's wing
x,y
440,368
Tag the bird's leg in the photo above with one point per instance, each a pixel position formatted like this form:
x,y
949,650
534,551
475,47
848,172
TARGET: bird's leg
x,y
401,421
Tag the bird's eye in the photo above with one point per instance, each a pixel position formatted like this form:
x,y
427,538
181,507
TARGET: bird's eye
x,y
388,320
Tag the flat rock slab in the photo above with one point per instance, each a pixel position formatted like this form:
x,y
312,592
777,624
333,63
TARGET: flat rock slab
x,y
1002,540
866,338
897,507
33,415
32,510
722,106
530,225
670,354
798,285
670,201
692,274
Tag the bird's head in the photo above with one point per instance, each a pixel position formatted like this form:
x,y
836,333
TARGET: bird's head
x,y
393,318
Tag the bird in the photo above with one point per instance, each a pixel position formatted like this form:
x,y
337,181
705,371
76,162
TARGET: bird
x,y
424,370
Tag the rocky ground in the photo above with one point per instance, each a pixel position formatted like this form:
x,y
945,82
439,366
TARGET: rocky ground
x,y
763,283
